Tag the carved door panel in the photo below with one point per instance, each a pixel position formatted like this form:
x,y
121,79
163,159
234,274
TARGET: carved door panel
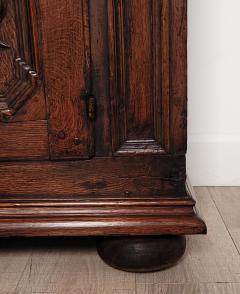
x,y
45,80
23,125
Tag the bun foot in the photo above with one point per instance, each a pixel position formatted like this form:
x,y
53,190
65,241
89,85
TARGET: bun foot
x,y
141,254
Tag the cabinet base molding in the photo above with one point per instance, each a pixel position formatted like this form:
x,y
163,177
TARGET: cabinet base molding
x,y
86,216
142,254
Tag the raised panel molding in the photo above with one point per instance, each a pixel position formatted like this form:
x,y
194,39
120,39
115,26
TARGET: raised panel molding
x,y
139,76
27,66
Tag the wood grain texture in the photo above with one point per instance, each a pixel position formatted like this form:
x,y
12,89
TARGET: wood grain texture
x,y
10,227
58,266
165,74
148,75
104,177
34,109
192,288
85,217
227,201
135,73
100,75
23,140
178,76
22,64
67,60
8,35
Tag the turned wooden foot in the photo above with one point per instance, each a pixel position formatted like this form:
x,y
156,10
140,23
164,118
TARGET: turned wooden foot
x,y
142,254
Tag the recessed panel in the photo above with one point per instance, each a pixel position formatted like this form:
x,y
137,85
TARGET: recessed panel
x,y
137,59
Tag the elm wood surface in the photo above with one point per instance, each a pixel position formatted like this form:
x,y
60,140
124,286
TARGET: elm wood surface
x,y
149,176
148,86
19,141
100,75
44,216
106,154
66,49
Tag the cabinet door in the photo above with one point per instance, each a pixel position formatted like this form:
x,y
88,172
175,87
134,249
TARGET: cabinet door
x,y
45,87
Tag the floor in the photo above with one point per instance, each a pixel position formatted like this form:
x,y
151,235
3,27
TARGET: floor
x,y
211,264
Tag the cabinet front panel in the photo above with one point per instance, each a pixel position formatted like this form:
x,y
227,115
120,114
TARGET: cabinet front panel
x,y
109,178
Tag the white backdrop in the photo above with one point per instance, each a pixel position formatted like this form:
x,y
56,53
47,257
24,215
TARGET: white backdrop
x,y
214,92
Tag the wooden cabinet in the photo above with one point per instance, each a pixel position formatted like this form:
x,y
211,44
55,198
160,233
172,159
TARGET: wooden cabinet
x,y
93,123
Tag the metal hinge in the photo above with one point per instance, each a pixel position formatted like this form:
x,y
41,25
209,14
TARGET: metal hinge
x,y
91,107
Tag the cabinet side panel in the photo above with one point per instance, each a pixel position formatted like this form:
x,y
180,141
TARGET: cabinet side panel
x,y
178,53
67,77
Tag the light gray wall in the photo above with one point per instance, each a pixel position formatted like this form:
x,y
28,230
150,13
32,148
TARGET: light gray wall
x,y
214,92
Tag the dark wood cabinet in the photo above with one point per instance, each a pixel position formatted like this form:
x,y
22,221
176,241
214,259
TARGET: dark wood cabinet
x,y
93,111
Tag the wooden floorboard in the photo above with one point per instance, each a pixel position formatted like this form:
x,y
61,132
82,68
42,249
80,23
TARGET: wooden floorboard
x,y
211,264
207,288
227,201
72,267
